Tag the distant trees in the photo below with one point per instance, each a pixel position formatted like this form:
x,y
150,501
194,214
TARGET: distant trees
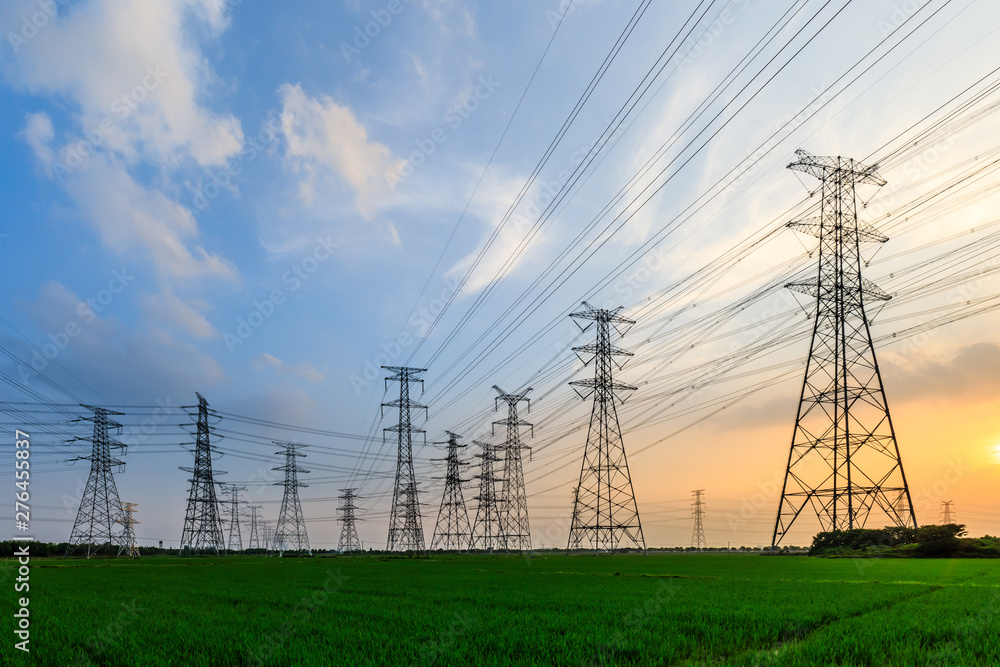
x,y
945,541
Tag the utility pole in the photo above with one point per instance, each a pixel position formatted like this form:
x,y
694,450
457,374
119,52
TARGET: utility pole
x,y
235,536
290,534
487,528
698,536
844,460
946,515
406,530
128,542
452,530
100,506
203,520
515,531
605,513
349,533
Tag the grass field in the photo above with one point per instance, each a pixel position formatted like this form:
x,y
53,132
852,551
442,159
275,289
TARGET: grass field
x,y
675,609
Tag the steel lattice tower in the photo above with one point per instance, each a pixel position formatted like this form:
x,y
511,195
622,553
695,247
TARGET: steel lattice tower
x,y
605,512
290,533
349,540
487,528
255,540
515,532
406,530
203,520
698,534
452,530
235,536
100,506
128,534
844,460
946,515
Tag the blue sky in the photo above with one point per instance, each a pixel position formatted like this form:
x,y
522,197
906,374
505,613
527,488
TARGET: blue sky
x,y
258,199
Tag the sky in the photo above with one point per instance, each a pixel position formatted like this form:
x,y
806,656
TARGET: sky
x,y
266,203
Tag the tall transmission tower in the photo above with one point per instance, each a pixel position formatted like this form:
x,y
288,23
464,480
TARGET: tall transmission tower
x,y
698,535
515,531
605,514
256,539
946,515
487,529
100,506
203,520
406,530
235,535
290,534
128,542
268,536
844,460
452,530
349,540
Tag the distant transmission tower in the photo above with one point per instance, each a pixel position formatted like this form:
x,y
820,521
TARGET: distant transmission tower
x,y
100,507
268,536
235,536
487,528
515,532
698,535
256,539
290,534
349,540
452,530
946,515
406,530
203,520
128,541
605,513
844,460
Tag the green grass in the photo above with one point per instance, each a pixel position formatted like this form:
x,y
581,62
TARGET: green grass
x,y
675,609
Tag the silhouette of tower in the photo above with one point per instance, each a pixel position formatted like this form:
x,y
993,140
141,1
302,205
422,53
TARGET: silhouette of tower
x,y
290,533
452,530
100,507
946,515
605,513
203,520
235,535
515,533
349,540
256,539
128,542
844,459
487,529
406,530
698,535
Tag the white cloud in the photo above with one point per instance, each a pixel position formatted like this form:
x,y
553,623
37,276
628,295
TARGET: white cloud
x,y
39,133
168,308
328,145
306,370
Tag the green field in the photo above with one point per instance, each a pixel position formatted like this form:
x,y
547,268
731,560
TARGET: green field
x,y
675,609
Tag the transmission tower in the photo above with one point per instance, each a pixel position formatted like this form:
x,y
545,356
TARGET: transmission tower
x,y
290,533
203,520
268,536
349,540
256,539
406,530
515,533
452,530
235,536
487,528
946,515
844,460
698,536
605,513
100,507
128,542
